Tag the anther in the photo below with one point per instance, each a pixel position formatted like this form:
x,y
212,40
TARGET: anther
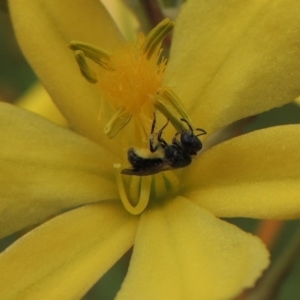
x,y
170,106
94,53
174,101
156,35
85,70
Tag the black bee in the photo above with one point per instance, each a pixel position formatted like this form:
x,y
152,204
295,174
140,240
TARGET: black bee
x,y
162,156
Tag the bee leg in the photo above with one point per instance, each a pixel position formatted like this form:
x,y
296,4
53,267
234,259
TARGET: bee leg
x,y
163,143
152,145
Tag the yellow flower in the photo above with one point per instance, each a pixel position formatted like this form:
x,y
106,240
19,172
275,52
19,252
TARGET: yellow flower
x,y
228,61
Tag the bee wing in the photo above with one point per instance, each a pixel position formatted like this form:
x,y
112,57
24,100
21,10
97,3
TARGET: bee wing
x,y
164,166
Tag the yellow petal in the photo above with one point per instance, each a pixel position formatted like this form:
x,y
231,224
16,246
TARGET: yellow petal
x,y
44,29
63,258
184,252
124,17
256,175
233,59
38,101
46,168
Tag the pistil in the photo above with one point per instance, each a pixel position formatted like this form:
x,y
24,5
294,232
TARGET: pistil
x,y
145,188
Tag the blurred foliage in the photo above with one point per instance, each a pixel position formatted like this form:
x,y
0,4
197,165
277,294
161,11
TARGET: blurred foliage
x,y
3,5
15,73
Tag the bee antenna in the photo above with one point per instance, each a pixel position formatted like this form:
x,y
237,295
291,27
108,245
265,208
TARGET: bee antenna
x,y
186,121
165,125
202,131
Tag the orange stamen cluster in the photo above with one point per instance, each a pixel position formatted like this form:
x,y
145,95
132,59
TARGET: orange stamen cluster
x,y
134,80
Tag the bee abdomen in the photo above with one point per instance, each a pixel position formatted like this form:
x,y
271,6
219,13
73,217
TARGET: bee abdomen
x,y
139,162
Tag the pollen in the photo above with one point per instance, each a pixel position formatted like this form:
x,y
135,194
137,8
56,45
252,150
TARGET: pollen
x,y
134,79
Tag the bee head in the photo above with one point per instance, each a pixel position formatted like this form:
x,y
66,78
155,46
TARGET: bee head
x,y
190,142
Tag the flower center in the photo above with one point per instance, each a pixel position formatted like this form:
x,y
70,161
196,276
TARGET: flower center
x,y
134,80
131,81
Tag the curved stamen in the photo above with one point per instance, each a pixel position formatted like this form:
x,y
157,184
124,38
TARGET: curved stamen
x,y
94,53
156,35
167,102
85,69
